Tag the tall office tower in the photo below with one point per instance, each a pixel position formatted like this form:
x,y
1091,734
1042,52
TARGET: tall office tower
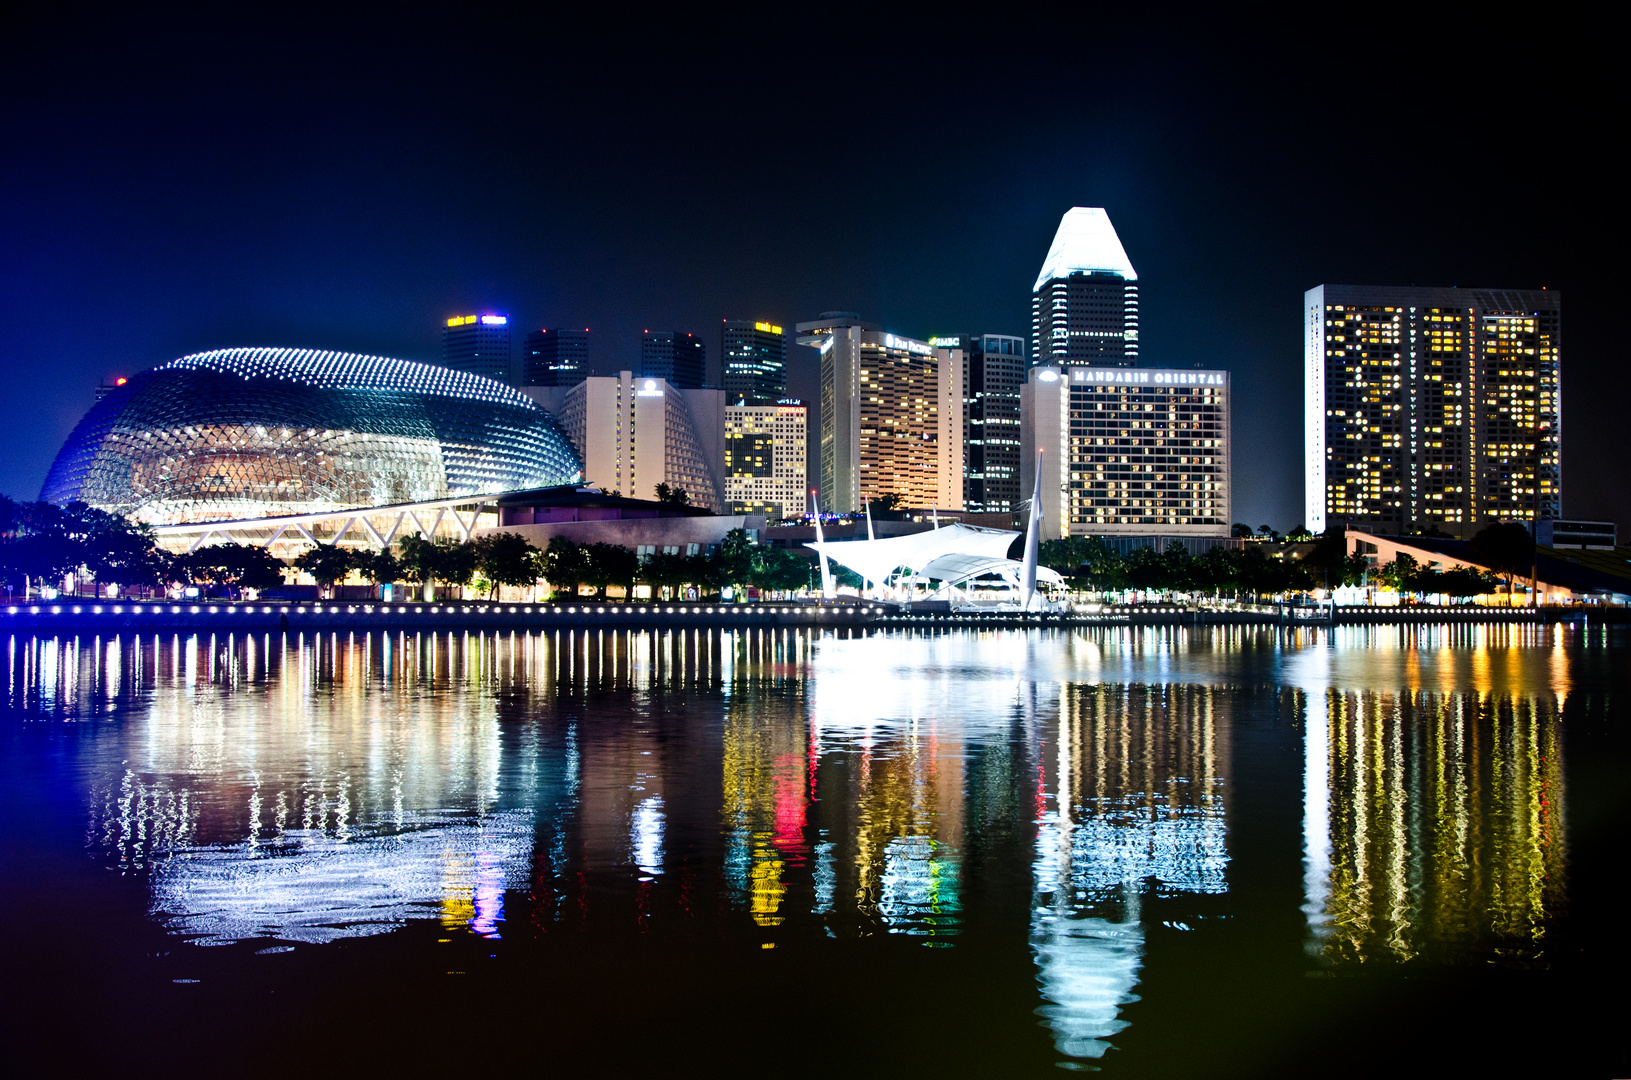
x,y
1128,452
891,416
993,367
634,433
478,344
764,459
1084,305
1430,408
679,359
753,358
557,357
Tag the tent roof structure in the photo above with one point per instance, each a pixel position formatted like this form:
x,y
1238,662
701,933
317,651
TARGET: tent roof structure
x,y
952,570
875,560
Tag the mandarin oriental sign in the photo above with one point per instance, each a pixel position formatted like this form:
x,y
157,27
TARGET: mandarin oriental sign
x,y
1138,377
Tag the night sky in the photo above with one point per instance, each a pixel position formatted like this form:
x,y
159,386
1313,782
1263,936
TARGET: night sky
x,y
173,183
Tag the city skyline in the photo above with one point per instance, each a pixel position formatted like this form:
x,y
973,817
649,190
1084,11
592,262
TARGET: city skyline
x,y
328,212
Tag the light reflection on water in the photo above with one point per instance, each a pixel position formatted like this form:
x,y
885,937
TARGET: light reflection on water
x,y
308,788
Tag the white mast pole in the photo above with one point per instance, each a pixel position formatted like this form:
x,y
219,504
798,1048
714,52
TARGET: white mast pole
x,y
1033,531
826,569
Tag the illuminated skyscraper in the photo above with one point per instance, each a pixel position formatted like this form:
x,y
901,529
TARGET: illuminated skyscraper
x,y
1431,408
764,459
479,344
634,433
891,416
679,358
753,359
557,357
993,370
1084,305
1128,452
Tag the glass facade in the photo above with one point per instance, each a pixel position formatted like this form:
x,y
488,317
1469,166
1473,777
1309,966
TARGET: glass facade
x,y
754,361
247,433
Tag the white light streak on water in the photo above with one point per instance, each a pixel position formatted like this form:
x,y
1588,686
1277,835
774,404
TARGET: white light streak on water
x,y
315,887
646,835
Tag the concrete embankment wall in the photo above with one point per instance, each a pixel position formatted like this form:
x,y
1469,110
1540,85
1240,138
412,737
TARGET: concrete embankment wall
x,y
341,615
110,617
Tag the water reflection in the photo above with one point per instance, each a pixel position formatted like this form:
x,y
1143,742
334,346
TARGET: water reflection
x,y
1437,822
1042,789
1138,777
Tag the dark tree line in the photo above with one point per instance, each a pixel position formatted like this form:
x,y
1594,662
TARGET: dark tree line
x,y
736,562
508,559
42,544
1248,571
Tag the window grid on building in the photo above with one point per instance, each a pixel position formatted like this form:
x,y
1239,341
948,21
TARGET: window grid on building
x,y
1435,409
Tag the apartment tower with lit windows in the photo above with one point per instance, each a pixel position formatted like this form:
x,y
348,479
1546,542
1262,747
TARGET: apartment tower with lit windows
x,y
1084,305
1430,408
891,416
764,459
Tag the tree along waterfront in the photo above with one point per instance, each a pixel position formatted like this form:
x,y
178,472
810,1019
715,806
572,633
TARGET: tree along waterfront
x,y
43,544
1093,565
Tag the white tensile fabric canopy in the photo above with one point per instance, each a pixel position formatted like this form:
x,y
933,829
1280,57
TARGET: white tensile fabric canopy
x,y
952,570
876,560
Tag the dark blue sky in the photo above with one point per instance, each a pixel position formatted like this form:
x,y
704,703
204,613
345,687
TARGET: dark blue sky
x,y
179,182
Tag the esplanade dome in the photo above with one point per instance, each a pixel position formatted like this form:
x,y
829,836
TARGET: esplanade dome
x,y
260,432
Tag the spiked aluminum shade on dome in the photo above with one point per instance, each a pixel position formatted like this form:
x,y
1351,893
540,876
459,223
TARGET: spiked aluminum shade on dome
x,y
1086,242
259,432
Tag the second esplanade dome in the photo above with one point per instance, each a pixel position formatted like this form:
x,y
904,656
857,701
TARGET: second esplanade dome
x,y
261,432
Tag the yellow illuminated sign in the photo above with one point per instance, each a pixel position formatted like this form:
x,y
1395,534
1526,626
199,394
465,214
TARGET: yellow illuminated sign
x,y
461,320
767,328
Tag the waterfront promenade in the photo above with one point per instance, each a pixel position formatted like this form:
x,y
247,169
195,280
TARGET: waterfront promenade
x,y
115,617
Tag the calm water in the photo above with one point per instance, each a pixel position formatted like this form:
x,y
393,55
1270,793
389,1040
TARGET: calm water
x,y
1146,852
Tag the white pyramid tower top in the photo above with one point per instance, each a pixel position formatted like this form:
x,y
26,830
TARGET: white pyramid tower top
x,y
1085,241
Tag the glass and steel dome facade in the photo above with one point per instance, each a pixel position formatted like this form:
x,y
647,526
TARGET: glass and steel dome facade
x,y
261,432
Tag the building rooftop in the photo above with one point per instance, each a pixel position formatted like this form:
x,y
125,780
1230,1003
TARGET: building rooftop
x,y
1086,242
580,497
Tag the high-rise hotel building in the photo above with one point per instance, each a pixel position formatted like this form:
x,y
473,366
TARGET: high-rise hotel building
x,y
764,459
634,433
753,362
1128,452
1431,408
479,344
1084,305
993,370
891,416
